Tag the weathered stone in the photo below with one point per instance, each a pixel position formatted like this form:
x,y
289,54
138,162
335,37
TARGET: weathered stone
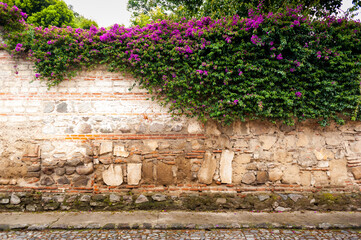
x,y
85,169
194,127
15,200
60,171
74,161
84,107
302,140
85,198
240,128
114,198
106,128
196,145
221,201
320,178
157,127
356,147
147,172
141,128
323,154
307,159
31,208
48,107
305,178
164,174
135,158
184,167
141,199
252,166
282,209
262,177
159,197
177,128
84,128
275,174
4,201
267,141
113,176
151,145
106,159
134,172
263,197
119,151
249,178
69,170
211,129
295,197
225,168
338,172
47,181
34,168
106,147
31,150
290,141
356,171
33,174
291,175
80,181
48,170
333,138
209,165
63,181
62,107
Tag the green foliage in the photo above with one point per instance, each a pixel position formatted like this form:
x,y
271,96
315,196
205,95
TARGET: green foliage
x,y
85,23
54,15
276,66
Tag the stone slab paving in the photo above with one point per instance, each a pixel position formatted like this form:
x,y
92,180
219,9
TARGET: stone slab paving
x,y
248,234
179,220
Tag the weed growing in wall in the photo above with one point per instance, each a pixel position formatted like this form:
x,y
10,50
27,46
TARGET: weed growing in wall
x,y
275,66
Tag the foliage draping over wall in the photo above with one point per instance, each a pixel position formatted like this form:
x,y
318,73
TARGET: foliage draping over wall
x,y
281,66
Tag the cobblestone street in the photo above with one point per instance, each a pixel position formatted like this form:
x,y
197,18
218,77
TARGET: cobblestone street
x,y
183,234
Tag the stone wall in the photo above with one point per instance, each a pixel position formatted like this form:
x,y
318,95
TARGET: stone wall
x,y
92,134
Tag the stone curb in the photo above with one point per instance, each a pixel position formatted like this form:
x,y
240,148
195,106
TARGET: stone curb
x,y
179,220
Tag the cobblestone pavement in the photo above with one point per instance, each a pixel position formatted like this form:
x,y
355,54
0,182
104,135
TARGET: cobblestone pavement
x,y
183,234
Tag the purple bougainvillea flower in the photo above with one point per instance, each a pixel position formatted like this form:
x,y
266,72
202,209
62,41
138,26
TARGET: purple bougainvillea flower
x,y
235,101
279,56
292,70
298,94
37,75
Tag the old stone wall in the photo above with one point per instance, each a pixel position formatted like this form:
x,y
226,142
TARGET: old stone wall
x,y
94,135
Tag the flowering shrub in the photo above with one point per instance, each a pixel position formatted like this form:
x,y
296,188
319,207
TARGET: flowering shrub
x,y
276,66
12,18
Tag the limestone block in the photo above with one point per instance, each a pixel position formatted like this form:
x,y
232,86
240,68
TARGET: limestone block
x,y
267,141
306,178
141,199
282,156
113,176
157,127
85,169
302,140
290,141
106,147
209,165
262,177
106,158
338,172
333,138
356,147
323,154
62,107
134,173
243,159
151,145
241,128
356,171
249,178
211,129
320,178
194,127
226,166
78,181
84,128
317,141
291,175
165,174
275,174
307,159
31,150
119,151
147,172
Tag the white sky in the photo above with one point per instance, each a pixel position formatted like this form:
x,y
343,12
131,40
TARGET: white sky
x,y
109,12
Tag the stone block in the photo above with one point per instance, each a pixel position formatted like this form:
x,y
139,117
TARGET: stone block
x,y
356,147
62,107
267,141
212,129
151,145
262,177
225,168
307,159
141,199
134,173
48,107
194,127
165,174
320,178
305,178
84,128
119,151
157,127
333,138
249,178
147,172
106,147
63,181
208,168
302,140
113,176
338,172
47,181
290,141
323,154
291,175
80,181
184,168
85,169
106,158
275,174
31,150
356,171
241,128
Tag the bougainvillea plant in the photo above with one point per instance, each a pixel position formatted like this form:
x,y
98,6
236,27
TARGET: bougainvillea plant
x,y
275,66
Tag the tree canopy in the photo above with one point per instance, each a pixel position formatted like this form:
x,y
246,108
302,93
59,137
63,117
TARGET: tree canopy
x,y
51,13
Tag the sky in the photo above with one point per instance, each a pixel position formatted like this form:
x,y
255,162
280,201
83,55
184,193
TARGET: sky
x,y
109,12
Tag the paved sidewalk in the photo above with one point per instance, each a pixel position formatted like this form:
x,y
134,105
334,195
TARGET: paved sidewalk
x,y
178,220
